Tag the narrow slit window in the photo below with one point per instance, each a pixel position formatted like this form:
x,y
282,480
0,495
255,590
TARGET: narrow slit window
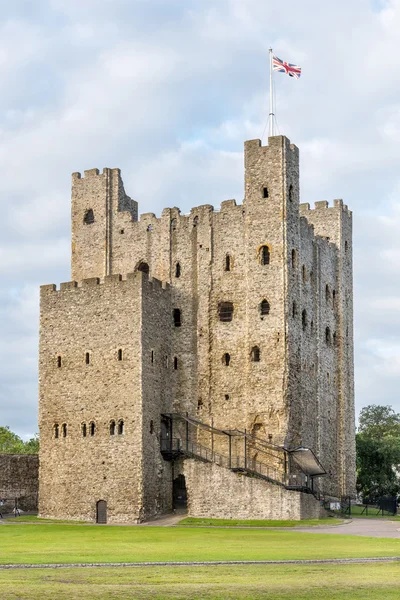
x,y
56,430
345,247
265,255
294,309
64,429
84,430
195,221
304,319
265,192
226,359
226,396
173,224
328,339
152,356
151,427
120,354
264,308
177,270
177,317
121,427
59,361
228,262
112,427
92,428
87,358
225,310
88,219
294,258
290,193
304,273
255,354
327,293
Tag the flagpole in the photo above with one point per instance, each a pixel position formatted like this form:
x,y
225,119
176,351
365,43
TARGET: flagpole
x,y
271,97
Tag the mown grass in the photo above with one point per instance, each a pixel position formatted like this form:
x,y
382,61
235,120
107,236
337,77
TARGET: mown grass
x,y
256,523
289,582
71,543
357,511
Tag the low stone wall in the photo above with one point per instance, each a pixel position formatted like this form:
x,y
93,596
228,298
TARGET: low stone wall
x,y
215,492
19,478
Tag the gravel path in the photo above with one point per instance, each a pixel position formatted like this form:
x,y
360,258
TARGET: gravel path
x,y
327,561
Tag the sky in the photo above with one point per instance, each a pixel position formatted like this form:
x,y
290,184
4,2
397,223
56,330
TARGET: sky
x,y
168,90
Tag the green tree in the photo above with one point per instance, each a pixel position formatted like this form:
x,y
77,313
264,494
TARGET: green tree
x,y
11,443
378,452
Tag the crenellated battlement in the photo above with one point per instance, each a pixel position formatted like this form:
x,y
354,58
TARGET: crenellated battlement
x,y
109,280
324,205
95,172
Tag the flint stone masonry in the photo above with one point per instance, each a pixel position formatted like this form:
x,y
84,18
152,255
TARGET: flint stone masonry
x,y
19,478
300,392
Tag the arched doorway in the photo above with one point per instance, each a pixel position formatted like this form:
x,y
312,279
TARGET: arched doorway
x,y
144,267
179,492
101,511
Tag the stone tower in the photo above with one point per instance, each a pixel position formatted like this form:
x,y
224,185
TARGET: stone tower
x,y
250,331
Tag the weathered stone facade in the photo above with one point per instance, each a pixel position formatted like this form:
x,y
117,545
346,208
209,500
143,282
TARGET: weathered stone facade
x,y
19,481
128,348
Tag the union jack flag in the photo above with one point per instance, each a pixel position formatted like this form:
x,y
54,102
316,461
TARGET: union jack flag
x,y
284,67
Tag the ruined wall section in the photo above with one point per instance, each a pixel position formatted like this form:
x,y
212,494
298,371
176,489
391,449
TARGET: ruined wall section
x,y
97,200
95,329
19,479
333,228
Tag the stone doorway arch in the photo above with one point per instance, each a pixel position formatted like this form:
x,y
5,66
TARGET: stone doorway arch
x,y
101,512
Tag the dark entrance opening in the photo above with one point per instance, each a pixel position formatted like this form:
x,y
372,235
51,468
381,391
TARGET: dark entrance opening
x,y
179,492
101,511
144,267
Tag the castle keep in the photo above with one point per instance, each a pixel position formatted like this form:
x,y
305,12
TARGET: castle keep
x,y
204,358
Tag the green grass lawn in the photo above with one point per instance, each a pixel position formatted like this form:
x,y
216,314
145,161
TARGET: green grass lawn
x,y
306,582
256,523
43,543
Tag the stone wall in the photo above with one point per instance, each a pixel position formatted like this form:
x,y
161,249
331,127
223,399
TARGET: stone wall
x,y
19,478
215,492
95,331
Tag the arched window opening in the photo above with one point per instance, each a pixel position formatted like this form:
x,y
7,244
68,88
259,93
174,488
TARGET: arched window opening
x,y
290,193
265,192
56,430
328,336
92,428
226,359
84,430
177,270
144,268
294,309
294,258
225,310
228,262
150,227
264,308
112,427
265,255
304,273
304,319
175,363
195,221
151,427
255,354
327,293
174,224
121,427
87,358
177,317
59,362
88,219
120,354
64,429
